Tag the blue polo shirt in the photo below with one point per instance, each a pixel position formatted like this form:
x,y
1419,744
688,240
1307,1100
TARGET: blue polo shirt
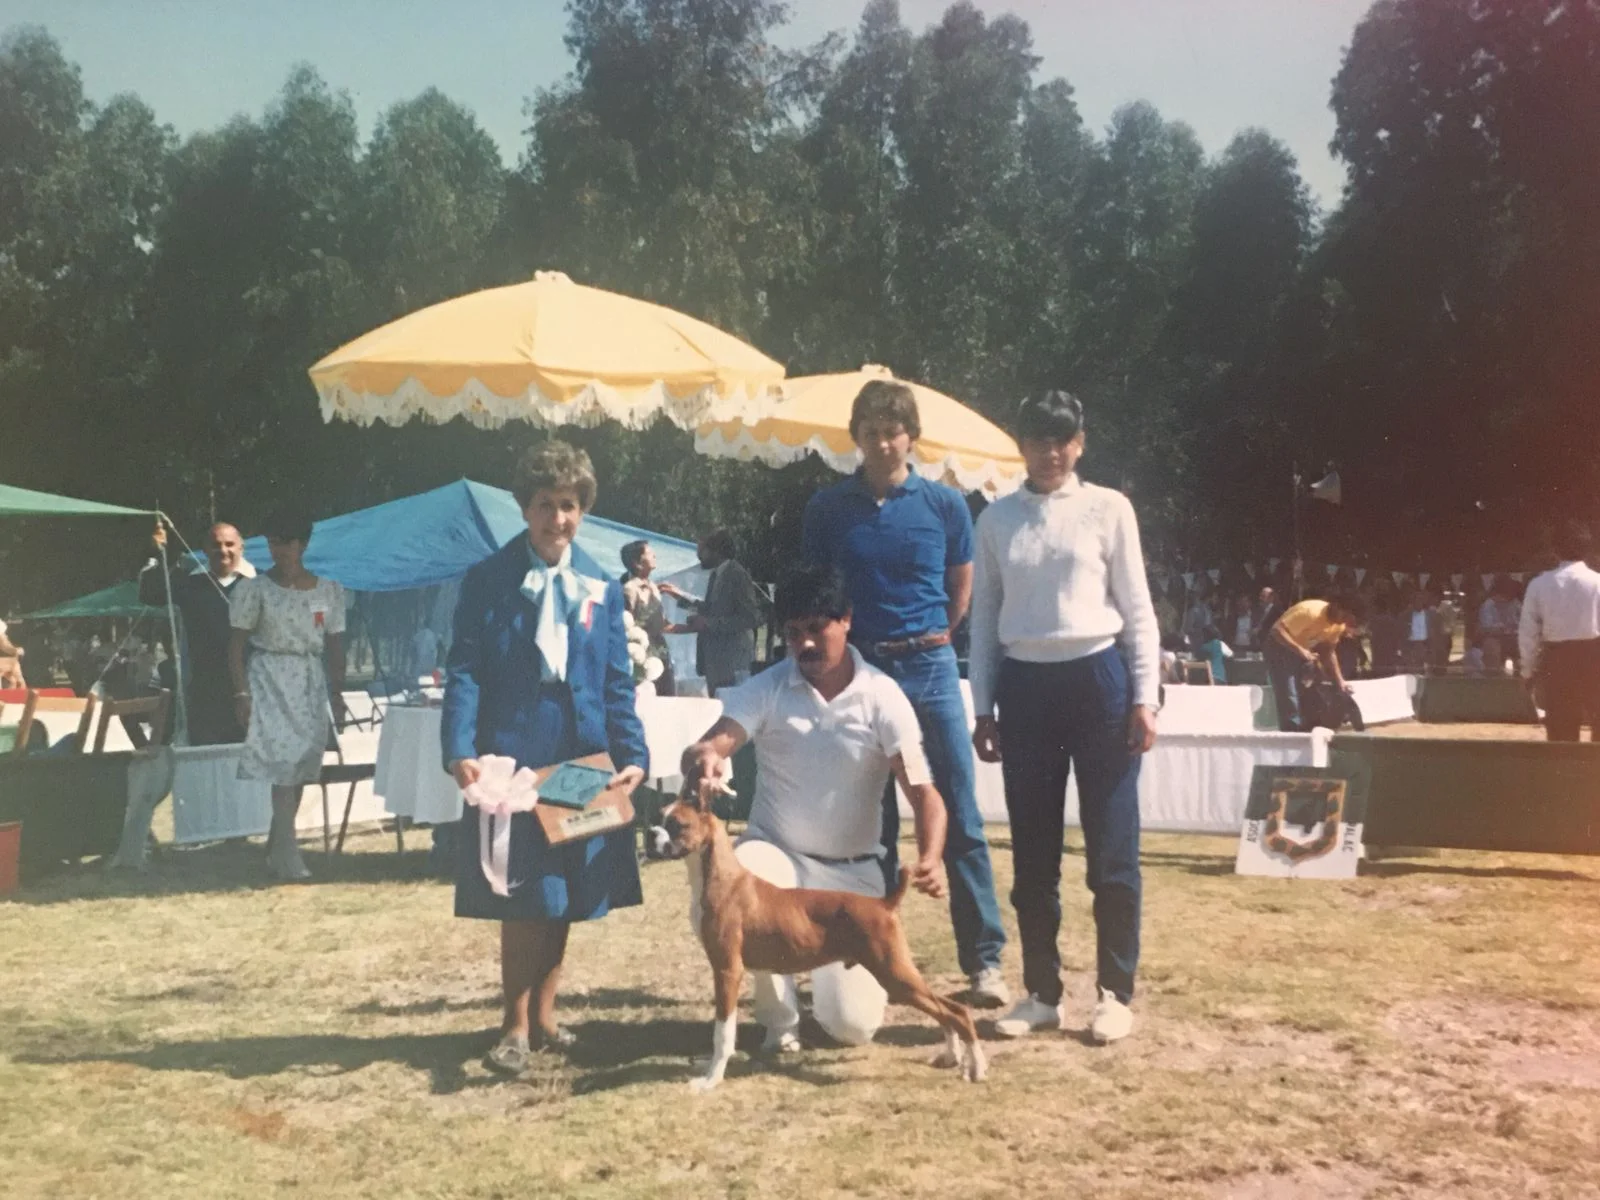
x,y
893,555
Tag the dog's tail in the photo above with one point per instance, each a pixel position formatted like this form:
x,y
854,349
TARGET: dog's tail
x,y
893,898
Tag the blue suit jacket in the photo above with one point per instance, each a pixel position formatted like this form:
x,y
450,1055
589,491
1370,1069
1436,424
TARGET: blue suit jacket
x,y
494,671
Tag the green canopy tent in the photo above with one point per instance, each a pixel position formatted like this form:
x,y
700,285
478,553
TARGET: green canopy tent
x,y
119,600
24,502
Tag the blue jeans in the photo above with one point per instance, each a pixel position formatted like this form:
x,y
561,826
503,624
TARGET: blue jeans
x,y
1056,718
932,683
1283,669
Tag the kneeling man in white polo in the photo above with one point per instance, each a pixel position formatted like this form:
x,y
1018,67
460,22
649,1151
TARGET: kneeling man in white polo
x,y
828,730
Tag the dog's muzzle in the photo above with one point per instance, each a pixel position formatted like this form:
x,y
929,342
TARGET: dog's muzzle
x,y
659,843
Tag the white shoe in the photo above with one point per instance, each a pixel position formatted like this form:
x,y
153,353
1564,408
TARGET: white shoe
x,y
285,863
988,989
787,1042
1112,1020
1029,1015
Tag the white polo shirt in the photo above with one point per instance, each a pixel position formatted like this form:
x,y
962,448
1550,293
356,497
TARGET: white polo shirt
x,y
822,765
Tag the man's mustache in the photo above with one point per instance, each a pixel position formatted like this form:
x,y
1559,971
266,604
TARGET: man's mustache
x,y
810,656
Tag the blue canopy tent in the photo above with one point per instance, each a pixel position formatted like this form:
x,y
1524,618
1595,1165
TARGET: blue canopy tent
x,y
423,545
433,537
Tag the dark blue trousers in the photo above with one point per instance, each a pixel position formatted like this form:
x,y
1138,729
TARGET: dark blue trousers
x,y
1056,718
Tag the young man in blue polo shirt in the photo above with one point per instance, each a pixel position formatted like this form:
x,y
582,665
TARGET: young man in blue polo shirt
x,y
904,544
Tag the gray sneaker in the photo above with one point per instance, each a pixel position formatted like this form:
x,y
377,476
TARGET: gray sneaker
x,y
989,989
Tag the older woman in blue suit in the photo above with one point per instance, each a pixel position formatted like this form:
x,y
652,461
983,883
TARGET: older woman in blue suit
x,y
539,671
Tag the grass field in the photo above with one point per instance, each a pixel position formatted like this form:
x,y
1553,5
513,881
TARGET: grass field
x,y
1431,1029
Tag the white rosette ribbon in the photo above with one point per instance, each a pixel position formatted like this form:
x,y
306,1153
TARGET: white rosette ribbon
x,y
501,789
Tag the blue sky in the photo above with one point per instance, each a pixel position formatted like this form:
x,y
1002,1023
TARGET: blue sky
x,y
1220,65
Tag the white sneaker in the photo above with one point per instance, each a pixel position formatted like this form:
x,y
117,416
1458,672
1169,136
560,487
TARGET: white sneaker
x,y
988,989
1112,1020
787,1042
1029,1015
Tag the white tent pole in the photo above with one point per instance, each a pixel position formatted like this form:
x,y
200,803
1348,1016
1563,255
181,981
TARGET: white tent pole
x,y
177,650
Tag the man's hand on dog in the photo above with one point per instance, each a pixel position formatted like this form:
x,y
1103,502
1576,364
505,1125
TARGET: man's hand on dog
x,y
928,877
700,761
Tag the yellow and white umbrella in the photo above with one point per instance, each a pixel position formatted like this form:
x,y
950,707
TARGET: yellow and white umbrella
x,y
552,352
957,445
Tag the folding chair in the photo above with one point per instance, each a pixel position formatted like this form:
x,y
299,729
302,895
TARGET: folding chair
x,y
157,708
342,772
1197,672
36,704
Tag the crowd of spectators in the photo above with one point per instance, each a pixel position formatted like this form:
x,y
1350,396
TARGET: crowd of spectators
x,y
1411,629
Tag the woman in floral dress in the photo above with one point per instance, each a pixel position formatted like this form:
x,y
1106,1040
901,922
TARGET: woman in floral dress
x,y
291,623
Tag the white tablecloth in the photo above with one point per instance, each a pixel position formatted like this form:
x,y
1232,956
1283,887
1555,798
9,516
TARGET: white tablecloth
x,y
1192,708
1193,781
210,802
1392,699
411,780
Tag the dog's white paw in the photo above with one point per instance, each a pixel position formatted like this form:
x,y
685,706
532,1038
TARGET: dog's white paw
x,y
976,1064
702,1083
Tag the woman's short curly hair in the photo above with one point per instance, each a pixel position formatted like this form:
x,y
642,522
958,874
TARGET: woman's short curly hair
x,y
554,465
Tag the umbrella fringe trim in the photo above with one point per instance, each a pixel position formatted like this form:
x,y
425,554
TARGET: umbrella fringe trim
x,y
992,479
596,403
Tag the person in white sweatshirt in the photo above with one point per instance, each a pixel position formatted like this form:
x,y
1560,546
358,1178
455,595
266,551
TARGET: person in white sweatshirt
x,y
1065,674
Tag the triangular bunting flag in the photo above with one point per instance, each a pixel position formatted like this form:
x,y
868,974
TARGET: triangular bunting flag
x,y
1188,579
1333,571
1399,578
1519,576
1272,565
1457,580
1361,573
1250,570
1488,582
1216,574
1423,578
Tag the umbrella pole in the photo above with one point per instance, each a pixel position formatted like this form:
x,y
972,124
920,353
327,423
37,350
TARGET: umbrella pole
x,y
177,652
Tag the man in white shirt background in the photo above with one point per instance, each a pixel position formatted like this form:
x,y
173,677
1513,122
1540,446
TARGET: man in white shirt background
x,y
1065,646
829,729
1560,638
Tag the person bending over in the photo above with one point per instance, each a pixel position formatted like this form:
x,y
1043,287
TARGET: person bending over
x,y
1308,635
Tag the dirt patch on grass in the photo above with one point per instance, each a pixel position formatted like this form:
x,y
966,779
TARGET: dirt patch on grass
x,y
1341,1182
1525,1044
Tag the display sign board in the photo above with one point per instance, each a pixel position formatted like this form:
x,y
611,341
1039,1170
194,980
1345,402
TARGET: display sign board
x,y
1302,823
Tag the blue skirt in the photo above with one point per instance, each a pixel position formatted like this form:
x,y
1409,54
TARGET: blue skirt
x,y
580,880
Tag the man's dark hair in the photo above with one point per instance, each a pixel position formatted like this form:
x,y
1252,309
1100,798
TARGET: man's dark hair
x,y
632,553
812,592
1052,416
885,400
1353,603
1574,541
720,543
288,523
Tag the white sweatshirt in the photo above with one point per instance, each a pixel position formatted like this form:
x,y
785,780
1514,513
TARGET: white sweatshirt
x,y
1060,577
